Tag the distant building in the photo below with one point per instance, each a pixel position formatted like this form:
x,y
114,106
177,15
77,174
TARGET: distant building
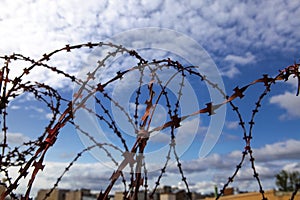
x,y
56,194
228,191
62,194
199,196
120,195
83,194
163,190
174,195
168,196
270,194
164,193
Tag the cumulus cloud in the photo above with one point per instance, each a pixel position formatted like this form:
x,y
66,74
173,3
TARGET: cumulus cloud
x,y
232,124
15,139
281,150
14,107
269,160
93,176
242,60
289,102
285,150
39,27
293,166
230,71
204,187
209,171
233,62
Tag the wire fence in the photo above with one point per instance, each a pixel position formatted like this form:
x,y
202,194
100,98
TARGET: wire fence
x,y
29,158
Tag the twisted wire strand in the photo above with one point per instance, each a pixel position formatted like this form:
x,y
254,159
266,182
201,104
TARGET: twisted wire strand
x,y
34,155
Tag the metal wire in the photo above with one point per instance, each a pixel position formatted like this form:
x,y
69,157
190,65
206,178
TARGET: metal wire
x,y
31,154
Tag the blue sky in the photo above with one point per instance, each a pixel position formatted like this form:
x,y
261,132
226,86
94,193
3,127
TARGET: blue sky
x,y
245,39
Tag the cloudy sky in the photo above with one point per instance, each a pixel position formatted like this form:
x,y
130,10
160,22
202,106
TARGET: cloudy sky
x,y
245,39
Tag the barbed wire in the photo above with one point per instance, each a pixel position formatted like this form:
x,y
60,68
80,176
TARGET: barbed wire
x,y
31,154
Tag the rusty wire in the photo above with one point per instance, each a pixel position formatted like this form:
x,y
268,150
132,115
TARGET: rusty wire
x,y
31,154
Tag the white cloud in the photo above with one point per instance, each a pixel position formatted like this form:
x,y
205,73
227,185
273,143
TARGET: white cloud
x,y
242,60
281,150
160,138
188,130
289,102
214,161
203,187
201,173
49,116
93,176
246,172
294,166
232,124
269,160
230,71
217,25
285,150
14,107
15,139
34,108
293,81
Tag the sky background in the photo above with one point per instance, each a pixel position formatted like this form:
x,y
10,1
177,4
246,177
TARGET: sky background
x,y
245,39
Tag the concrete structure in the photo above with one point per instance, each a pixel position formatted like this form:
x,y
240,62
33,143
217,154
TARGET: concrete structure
x,y
62,194
141,195
119,195
174,195
83,194
228,191
168,196
270,194
163,190
199,196
180,194
56,194
164,193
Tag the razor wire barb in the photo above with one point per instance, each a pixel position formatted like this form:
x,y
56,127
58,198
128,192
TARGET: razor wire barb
x,y
29,158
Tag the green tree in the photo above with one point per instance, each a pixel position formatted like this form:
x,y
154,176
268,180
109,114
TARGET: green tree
x,y
287,181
